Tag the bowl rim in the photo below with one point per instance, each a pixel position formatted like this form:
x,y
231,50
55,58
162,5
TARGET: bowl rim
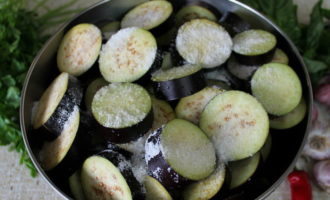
x,y
266,193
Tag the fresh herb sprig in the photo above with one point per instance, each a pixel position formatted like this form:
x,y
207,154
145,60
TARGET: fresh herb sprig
x,y
21,37
312,40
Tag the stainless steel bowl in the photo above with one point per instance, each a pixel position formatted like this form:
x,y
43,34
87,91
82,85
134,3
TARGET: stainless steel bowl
x,y
287,145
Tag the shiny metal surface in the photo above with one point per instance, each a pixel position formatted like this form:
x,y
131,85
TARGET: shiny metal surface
x,y
286,144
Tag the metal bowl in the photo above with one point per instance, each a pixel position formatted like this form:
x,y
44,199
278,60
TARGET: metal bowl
x,y
287,144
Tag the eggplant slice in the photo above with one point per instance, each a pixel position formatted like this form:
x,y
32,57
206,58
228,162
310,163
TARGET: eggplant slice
x,y
79,49
204,42
56,105
178,82
124,110
236,123
148,15
128,55
277,87
102,180
254,47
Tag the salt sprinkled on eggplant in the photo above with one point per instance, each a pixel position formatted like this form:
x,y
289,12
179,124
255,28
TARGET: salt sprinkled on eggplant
x,y
152,146
52,153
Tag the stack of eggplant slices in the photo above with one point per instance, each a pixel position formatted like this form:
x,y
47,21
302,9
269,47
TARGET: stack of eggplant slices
x,y
171,102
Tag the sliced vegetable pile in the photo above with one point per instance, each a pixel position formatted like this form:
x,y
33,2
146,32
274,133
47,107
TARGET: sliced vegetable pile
x,y
164,114
313,42
21,35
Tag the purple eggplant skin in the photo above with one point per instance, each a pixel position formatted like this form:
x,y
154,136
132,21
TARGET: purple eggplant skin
x,y
159,169
255,60
233,23
128,134
72,97
116,155
178,88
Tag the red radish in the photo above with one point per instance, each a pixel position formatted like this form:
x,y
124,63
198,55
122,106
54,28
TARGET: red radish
x,y
300,186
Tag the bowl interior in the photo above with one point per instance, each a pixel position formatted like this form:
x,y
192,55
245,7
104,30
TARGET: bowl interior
x,y
285,144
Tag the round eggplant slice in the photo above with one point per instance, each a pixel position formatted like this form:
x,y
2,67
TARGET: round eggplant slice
x,y
254,47
50,99
128,55
280,57
236,123
155,190
291,119
187,150
191,12
158,167
163,113
234,23
242,170
191,107
123,160
148,15
277,87
102,180
178,82
52,153
243,72
124,111
56,104
79,49
204,42
208,187
92,88
110,29
76,187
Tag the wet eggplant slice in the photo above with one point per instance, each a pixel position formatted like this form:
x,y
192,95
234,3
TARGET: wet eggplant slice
x,y
191,107
102,180
148,15
191,12
128,55
291,119
121,105
236,123
155,190
79,49
242,170
277,87
91,90
76,187
254,47
56,104
181,143
208,187
280,57
52,153
204,42
163,113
